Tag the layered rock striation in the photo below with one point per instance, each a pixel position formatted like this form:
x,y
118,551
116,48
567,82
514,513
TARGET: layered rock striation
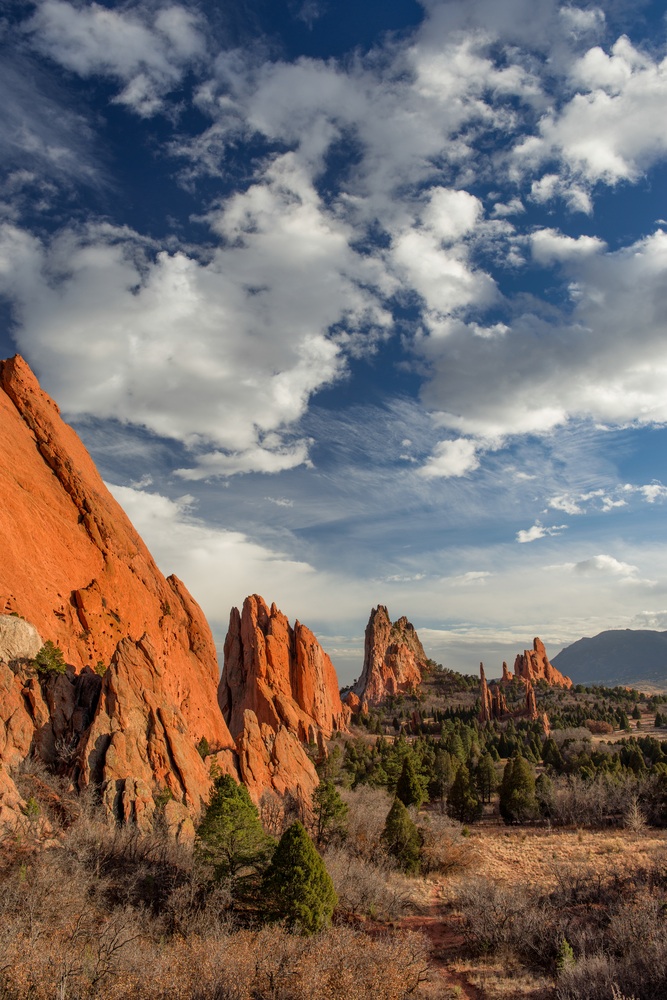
x,y
394,658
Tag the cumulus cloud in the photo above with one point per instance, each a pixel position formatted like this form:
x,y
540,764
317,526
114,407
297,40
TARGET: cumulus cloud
x,y
613,128
451,458
224,352
581,364
607,566
147,53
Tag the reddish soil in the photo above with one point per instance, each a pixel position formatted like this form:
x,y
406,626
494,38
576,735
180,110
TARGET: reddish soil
x,y
443,931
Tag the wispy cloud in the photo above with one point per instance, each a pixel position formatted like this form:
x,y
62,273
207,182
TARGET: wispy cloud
x,y
539,530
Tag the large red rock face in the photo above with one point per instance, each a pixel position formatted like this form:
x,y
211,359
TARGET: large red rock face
x,y
533,665
280,674
73,566
394,658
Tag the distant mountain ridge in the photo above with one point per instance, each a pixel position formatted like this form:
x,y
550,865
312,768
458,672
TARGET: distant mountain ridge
x,y
618,656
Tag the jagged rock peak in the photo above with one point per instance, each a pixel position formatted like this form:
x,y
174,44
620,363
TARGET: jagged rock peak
x,y
280,674
533,665
73,565
394,658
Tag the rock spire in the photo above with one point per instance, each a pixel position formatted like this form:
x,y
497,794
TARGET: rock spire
x,y
394,658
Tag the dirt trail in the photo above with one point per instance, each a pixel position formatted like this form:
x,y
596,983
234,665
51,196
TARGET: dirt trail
x,y
443,931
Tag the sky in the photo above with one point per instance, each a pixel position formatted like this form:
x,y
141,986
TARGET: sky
x,y
356,303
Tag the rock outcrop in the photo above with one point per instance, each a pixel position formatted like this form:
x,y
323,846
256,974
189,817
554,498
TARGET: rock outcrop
x,y
279,673
394,658
73,565
493,704
278,688
533,665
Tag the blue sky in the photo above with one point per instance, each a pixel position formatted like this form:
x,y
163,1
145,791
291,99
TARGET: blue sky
x,y
357,304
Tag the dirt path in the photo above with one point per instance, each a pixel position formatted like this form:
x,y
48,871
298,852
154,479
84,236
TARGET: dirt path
x,y
443,931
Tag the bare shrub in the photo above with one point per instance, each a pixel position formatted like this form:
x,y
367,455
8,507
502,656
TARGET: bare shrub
x,y
592,977
367,888
444,848
592,802
368,809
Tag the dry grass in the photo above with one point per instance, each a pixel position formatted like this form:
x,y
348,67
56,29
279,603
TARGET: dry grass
x,y
534,857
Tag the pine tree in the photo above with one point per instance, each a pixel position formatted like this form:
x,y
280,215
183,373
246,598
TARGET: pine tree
x,y
410,785
462,801
297,888
230,837
517,792
443,776
401,837
485,777
329,812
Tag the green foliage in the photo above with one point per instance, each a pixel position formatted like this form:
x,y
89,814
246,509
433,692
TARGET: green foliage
x,y
517,792
230,837
100,668
329,812
565,957
463,803
203,748
296,886
485,777
410,787
31,809
401,837
50,660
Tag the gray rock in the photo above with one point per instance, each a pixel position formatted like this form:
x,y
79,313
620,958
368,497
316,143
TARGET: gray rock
x,y
19,640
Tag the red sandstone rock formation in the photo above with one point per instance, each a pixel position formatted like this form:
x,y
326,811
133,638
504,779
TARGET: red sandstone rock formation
x,y
394,658
73,565
533,665
493,701
531,703
507,677
282,675
274,760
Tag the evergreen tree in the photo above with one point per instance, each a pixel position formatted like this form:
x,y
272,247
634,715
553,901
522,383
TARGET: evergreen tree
x,y
50,660
517,791
485,777
410,787
297,888
230,837
401,837
329,812
443,776
462,801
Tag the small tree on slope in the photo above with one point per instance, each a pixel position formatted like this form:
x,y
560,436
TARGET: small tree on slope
x,y
297,887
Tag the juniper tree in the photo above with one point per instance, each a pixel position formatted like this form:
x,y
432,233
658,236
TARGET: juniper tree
x,y
401,837
462,802
517,791
230,837
296,886
329,813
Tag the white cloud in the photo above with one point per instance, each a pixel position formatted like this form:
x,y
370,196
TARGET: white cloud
x,y
538,530
614,127
607,566
583,365
223,355
147,55
653,492
451,458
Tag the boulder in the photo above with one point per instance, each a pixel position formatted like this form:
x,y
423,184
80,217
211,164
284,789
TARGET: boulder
x,y
19,639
